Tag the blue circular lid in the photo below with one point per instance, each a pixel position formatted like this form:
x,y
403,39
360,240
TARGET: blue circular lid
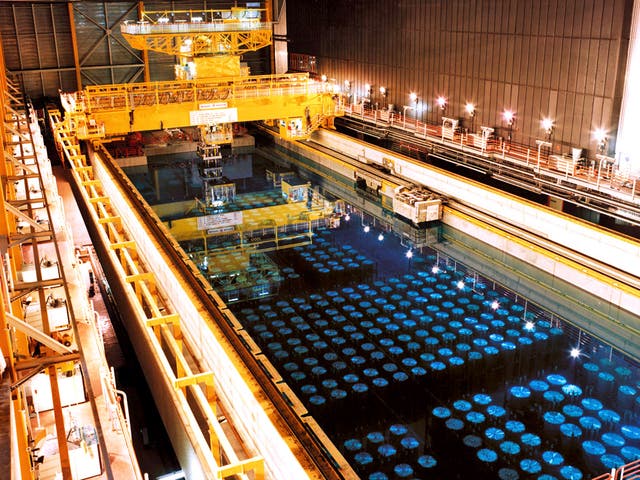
x,y
472,441
376,355
496,337
390,367
330,356
403,470
520,391
441,412
529,465
494,433
398,429
591,404
352,444
462,405
613,440
569,472
510,448
317,400
329,383
572,411
410,442
348,351
370,372
350,378
290,366
480,342
590,423
380,382
454,424
418,371
298,376
474,355
508,474
400,376
320,345
409,362
438,366
475,417
456,361
630,453
363,458
554,418
530,439
496,411
310,361
427,461
609,416
556,379
593,447
427,357
546,476
515,426
482,399
386,450
570,430
630,431
605,376
552,458
553,396
378,476
358,360
375,437
491,350
627,390
487,455
359,387
572,390
396,350
309,389
591,367
610,461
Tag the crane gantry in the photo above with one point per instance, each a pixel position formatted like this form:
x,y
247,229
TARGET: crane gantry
x,y
212,89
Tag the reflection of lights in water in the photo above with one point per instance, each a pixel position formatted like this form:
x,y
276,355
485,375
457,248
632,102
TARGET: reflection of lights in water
x,y
528,326
460,284
495,305
347,217
380,237
366,229
435,269
575,352
409,254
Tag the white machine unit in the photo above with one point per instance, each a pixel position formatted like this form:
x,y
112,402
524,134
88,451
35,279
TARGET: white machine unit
x,y
417,204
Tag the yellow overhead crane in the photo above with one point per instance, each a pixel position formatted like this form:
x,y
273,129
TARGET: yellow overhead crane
x,y
210,88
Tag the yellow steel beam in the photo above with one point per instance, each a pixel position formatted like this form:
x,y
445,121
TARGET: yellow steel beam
x,y
163,320
140,277
119,109
255,465
111,219
100,200
204,377
145,52
119,245
74,45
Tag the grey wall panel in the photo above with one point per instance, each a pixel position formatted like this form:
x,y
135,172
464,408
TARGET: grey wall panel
x,y
497,53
